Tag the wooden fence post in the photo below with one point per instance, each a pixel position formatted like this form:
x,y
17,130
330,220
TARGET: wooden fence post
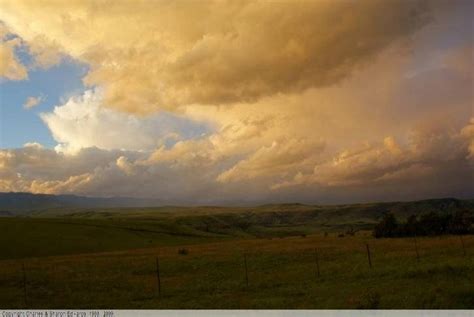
x,y
368,255
25,295
246,271
317,262
158,276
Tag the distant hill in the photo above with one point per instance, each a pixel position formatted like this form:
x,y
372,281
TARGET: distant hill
x,y
209,217
301,218
43,225
12,204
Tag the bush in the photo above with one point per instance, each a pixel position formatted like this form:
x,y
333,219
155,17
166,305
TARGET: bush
x,y
461,223
183,251
370,300
429,224
410,228
432,224
387,227
350,231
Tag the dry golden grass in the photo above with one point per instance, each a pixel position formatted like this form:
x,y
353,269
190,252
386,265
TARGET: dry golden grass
x,y
282,274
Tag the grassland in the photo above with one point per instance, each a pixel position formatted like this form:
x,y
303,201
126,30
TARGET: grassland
x,y
282,274
61,232
84,258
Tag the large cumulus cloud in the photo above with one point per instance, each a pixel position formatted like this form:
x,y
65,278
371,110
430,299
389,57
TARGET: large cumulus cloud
x,y
432,150
84,122
151,55
295,101
435,162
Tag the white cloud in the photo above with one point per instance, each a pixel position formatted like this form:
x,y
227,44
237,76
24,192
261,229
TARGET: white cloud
x,y
33,102
190,171
84,122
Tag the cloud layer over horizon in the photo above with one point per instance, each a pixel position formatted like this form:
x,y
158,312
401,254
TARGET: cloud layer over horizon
x,y
250,101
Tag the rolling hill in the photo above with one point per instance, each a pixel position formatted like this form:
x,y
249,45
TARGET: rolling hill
x,y
42,225
23,203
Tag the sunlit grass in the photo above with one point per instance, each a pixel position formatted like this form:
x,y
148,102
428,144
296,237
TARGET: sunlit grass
x,y
282,274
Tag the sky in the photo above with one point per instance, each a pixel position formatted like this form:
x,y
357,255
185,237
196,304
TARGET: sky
x,y
238,102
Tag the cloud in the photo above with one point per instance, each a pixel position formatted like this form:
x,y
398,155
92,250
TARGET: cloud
x,y
37,169
95,172
468,133
332,144
301,101
166,55
45,53
11,67
277,160
33,102
84,122
436,161
433,149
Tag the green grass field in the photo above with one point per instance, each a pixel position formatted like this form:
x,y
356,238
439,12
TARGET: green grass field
x,y
281,272
107,259
61,232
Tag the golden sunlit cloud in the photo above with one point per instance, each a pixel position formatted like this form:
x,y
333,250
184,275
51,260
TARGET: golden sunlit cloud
x,y
248,100
33,102
10,66
151,55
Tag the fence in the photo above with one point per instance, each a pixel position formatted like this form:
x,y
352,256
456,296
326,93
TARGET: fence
x,y
241,271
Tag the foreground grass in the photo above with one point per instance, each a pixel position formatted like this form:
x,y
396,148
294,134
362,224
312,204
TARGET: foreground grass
x,y
88,232
37,237
281,272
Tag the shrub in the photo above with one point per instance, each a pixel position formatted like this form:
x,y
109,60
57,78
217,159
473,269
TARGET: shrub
x,y
460,223
429,224
350,231
183,251
387,227
370,300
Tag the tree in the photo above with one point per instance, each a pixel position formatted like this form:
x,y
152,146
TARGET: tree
x,y
410,227
387,227
460,223
429,224
432,224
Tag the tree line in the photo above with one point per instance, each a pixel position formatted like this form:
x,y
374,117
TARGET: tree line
x,y
429,224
